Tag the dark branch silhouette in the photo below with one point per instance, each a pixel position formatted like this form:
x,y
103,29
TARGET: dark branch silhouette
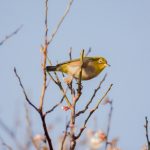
x,y
11,35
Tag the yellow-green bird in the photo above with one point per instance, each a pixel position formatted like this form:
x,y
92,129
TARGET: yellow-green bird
x,y
92,66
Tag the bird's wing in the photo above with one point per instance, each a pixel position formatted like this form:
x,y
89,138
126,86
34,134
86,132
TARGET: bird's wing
x,y
75,61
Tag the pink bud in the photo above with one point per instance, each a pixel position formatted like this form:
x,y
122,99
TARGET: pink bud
x,y
65,108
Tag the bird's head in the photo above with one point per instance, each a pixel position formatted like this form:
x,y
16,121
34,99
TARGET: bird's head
x,y
101,62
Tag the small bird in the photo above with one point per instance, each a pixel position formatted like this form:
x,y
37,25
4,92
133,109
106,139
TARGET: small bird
x,y
91,67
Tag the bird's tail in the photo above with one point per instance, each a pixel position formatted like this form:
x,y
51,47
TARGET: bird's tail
x,y
51,68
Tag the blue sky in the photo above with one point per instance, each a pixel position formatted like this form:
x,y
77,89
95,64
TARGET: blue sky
x,y
117,30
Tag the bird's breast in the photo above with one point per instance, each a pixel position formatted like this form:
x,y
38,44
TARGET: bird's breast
x,y
88,72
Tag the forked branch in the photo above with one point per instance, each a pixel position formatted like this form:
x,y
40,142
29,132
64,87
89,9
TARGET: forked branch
x,y
91,112
38,110
91,99
24,92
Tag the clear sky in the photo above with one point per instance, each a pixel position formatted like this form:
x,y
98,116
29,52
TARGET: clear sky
x,y
118,30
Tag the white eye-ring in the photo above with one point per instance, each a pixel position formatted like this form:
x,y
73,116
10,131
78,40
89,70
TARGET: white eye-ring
x,y
100,61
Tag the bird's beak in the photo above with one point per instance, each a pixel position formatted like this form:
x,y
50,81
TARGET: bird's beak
x,y
108,65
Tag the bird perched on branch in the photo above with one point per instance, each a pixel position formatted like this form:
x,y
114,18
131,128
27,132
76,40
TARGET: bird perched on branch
x,y
91,67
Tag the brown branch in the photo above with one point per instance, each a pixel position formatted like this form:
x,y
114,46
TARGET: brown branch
x,y
76,98
64,94
71,83
44,58
65,136
146,128
52,78
10,35
91,112
39,111
80,75
58,83
24,92
42,115
109,123
91,99
46,131
60,22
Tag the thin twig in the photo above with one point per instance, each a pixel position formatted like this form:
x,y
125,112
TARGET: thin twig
x,y
24,92
71,83
70,53
91,99
89,51
65,136
11,35
91,112
147,137
80,74
60,22
52,78
58,83
11,134
76,98
29,128
45,79
39,111
6,129
109,123
5,144
44,58
55,106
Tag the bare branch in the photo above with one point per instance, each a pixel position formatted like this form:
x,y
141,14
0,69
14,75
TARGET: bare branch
x,y
6,129
10,35
71,83
91,112
109,123
91,99
76,98
44,58
24,92
58,83
65,136
61,21
39,111
44,50
147,137
70,53
46,131
29,140
11,134
5,144
55,106
80,74
50,40
89,51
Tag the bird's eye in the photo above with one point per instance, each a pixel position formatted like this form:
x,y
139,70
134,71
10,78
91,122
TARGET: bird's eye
x,y
99,61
